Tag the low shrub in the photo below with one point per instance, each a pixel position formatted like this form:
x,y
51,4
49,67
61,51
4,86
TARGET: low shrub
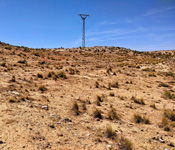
x,y
115,85
168,95
112,115
13,79
138,101
170,114
3,64
42,88
110,132
75,108
97,113
111,94
62,74
125,144
97,84
140,119
165,124
163,85
153,106
39,75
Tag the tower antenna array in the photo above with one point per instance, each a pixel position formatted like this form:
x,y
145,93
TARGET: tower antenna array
x,y
83,17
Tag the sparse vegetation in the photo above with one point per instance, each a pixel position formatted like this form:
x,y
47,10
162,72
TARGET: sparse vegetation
x,y
109,70
62,74
110,132
140,119
84,106
115,85
138,101
99,98
97,113
149,69
13,79
97,84
112,115
151,74
52,126
3,64
73,71
163,85
75,108
125,144
39,75
34,92
13,100
153,106
42,88
170,114
168,95
111,94
165,124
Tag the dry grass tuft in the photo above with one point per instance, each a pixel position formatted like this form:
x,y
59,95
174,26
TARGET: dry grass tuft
x,y
170,114
153,106
75,108
97,113
138,101
42,88
112,115
168,95
125,144
139,119
110,132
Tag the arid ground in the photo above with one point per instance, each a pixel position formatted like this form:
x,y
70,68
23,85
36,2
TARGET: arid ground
x,y
94,98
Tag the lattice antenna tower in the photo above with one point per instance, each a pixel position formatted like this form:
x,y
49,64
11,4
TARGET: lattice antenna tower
x,y
83,17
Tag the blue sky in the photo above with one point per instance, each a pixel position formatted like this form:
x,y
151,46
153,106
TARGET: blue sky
x,y
142,25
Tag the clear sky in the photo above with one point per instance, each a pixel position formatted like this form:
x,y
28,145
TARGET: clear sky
x,y
136,24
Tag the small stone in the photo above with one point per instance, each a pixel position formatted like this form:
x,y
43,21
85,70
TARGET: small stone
x,y
45,107
88,135
130,125
166,149
14,92
1,142
161,140
59,122
108,146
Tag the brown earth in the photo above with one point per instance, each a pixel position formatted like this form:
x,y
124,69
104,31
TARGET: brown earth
x,y
48,98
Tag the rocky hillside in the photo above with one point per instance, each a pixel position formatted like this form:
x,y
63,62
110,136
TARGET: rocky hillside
x,y
93,98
